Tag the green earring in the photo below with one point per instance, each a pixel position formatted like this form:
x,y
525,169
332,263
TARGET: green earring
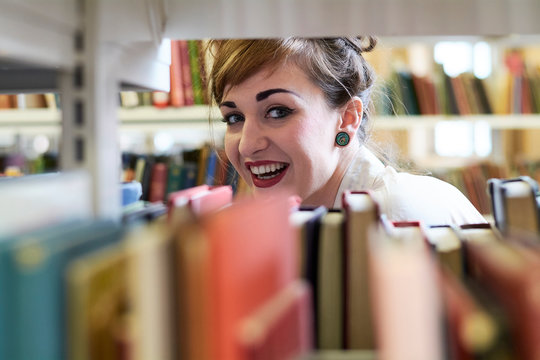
x,y
342,138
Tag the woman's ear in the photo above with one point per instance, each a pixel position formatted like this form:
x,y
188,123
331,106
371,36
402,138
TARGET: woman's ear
x,y
351,116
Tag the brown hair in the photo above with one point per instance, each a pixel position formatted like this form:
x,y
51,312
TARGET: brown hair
x,y
336,65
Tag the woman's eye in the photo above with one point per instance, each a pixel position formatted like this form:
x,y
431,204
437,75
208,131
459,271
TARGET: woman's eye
x,y
278,112
231,119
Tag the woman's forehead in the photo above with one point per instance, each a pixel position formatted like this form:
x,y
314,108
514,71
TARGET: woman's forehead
x,y
284,73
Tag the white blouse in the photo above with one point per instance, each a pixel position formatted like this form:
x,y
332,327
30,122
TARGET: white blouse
x,y
407,197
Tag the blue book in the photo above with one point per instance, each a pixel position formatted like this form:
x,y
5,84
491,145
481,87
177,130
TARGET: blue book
x,y
32,273
211,164
189,175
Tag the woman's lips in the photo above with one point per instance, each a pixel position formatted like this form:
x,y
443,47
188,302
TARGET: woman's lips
x,y
267,173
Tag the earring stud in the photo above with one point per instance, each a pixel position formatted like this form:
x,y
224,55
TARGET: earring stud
x,y
342,138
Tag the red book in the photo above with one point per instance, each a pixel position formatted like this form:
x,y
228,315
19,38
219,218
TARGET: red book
x,y
281,328
177,88
185,68
214,199
178,200
252,256
471,330
158,183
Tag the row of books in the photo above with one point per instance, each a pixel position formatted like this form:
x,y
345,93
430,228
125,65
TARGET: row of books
x,y
16,163
188,79
162,175
167,289
243,278
513,90
29,101
408,94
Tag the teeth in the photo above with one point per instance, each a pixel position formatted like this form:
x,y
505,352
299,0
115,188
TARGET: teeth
x,y
263,169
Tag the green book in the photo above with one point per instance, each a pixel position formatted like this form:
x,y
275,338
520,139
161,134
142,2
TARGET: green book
x,y
196,81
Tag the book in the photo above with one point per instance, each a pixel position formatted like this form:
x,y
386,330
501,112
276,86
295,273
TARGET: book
x,y
185,68
232,273
330,281
514,203
158,182
211,167
146,177
98,303
511,274
361,214
211,200
153,291
407,309
448,249
176,94
305,222
195,67
280,328
188,175
472,330
174,178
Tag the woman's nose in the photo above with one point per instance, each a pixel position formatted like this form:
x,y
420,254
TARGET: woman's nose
x,y
253,138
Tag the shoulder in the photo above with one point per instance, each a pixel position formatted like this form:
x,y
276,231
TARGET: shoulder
x,y
404,196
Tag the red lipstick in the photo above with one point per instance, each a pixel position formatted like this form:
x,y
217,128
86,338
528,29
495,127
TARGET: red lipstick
x,y
273,180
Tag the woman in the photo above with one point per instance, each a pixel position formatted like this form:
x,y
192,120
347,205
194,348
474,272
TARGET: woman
x,y
297,115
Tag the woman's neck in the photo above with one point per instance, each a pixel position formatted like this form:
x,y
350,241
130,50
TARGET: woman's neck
x,y
326,195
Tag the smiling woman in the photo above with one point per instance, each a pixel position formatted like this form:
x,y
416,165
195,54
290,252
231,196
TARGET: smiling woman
x,y
298,119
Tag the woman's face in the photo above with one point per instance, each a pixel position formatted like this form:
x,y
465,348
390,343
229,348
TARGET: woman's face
x,y
280,134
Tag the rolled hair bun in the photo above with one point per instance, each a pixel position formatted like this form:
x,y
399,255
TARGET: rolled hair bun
x,y
361,44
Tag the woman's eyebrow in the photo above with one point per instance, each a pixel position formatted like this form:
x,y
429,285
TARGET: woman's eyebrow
x,y
266,93
230,104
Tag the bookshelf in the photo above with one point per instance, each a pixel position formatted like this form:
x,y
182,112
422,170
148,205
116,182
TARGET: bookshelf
x,y
147,118
87,51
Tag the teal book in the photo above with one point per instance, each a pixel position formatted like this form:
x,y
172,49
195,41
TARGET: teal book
x,y
32,275
174,177
7,345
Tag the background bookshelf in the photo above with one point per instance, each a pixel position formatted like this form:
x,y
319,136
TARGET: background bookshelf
x,y
164,122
